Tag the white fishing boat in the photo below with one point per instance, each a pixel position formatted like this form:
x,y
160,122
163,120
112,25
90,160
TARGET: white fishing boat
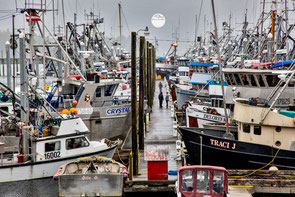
x,y
57,141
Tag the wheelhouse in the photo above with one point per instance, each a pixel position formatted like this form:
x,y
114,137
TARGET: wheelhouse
x,y
202,181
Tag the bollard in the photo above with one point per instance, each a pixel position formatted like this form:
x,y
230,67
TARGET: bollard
x,y
147,118
175,128
178,150
172,112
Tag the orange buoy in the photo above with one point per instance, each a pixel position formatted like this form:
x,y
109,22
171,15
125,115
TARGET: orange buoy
x,y
65,111
75,102
74,111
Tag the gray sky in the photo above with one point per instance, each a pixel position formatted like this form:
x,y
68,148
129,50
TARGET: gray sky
x,y
179,14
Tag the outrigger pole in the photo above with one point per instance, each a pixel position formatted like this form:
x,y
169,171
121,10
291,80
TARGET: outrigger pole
x,y
220,67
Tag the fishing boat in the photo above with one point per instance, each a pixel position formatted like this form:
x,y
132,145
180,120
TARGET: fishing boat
x,y
199,77
106,115
201,181
248,83
264,137
91,176
209,110
43,149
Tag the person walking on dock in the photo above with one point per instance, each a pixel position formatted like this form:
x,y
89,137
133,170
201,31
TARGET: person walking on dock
x,y
167,99
161,98
160,86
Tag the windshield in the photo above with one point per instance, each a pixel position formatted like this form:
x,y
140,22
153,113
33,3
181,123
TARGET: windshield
x,y
218,182
203,178
187,181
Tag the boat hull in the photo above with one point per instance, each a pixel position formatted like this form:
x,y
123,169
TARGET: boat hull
x,y
104,184
104,124
213,149
28,188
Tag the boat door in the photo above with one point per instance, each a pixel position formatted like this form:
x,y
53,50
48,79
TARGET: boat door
x,y
202,182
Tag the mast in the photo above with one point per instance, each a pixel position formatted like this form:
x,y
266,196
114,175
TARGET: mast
x,y
220,67
273,22
32,51
261,29
286,24
53,15
120,25
13,54
195,43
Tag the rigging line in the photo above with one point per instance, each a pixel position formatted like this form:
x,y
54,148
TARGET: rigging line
x,y
125,21
199,16
114,23
49,3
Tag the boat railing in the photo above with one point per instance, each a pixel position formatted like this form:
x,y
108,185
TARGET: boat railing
x,y
102,103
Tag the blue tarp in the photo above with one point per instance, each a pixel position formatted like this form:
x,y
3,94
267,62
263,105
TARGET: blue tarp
x,y
161,58
201,64
285,63
212,82
198,83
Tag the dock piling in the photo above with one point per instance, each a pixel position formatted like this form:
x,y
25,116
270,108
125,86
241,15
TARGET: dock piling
x,y
149,78
134,104
141,93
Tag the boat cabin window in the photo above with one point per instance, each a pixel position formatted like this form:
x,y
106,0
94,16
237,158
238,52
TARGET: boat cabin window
x,y
182,73
253,82
238,80
244,79
227,79
257,130
78,142
218,182
203,178
187,181
260,80
232,79
272,80
52,146
246,128
98,92
108,90
220,103
4,109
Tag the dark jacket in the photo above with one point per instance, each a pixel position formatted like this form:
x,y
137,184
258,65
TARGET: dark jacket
x,y
160,97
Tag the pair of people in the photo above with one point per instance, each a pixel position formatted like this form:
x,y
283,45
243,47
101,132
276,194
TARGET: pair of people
x,y
161,98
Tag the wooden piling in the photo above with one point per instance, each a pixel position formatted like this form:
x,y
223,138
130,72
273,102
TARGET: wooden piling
x,y
153,73
149,76
134,104
141,93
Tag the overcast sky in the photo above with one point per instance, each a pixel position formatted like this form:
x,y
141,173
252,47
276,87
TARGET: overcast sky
x,y
179,14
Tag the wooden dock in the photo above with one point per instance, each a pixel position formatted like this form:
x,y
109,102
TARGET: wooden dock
x,y
159,132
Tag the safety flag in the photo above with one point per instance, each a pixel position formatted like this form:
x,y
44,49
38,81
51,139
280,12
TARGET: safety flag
x,y
34,17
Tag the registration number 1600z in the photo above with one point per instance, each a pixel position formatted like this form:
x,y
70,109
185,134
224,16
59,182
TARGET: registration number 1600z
x,y
52,155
